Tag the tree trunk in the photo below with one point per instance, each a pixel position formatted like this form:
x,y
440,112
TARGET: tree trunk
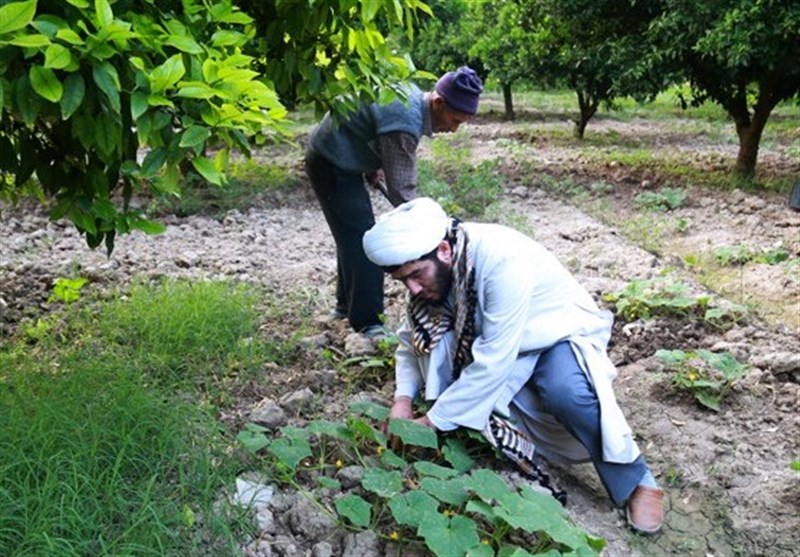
x,y
588,107
749,129
508,102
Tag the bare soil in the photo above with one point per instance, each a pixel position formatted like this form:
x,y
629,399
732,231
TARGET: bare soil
x,y
730,489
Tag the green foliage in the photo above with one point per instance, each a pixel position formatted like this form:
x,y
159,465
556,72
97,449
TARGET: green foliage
x,y
646,299
99,454
67,290
708,376
441,42
665,199
333,54
742,254
86,86
795,465
463,189
420,495
743,55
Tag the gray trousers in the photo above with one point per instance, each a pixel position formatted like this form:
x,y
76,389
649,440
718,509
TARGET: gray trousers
x,y
566,393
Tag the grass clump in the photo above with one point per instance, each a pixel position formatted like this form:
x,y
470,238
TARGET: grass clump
x,y
105,450
463,189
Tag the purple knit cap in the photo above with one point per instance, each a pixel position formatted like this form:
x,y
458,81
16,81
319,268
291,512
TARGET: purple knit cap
x,y
461,89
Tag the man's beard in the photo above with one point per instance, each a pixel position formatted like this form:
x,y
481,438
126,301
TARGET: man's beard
x,y
442,280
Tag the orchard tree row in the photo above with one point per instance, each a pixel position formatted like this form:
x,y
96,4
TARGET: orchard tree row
x,y
742,54
88,85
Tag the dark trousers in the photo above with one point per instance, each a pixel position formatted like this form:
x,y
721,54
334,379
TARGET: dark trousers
x,y
570,398
348,211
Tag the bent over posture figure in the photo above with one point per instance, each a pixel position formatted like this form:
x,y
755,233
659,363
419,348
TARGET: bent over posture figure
x,y
378,142
496,326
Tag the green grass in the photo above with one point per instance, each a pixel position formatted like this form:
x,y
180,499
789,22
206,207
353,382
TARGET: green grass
x,y
110,445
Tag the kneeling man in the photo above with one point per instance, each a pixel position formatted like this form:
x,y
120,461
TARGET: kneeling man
x,y
496,326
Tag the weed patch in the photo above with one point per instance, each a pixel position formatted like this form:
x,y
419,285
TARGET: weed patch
x,y
105,450
646,299
414,491
708,376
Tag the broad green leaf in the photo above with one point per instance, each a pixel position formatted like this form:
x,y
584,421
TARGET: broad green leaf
x,y
49,25
57,57
537,512
184,44
153,162
331,429
30,41
481,550
451,537
290,450
169,181
207,170
82,4
413,508
159,100
105,77
485,509
167,74
452,491
46,84
383,483
355,509
412,433
390,459
195,136
253,439
198,90
508,550
148,226
69,36
107,135
102,10
139,104
370,409
488,485
369,10
456,454
425,468
16,15
228,38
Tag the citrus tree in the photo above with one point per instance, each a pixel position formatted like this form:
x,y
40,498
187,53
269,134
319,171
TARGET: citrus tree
x,y
103,98
742,54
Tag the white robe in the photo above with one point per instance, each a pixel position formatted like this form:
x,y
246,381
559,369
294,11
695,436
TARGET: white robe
x,y
527,302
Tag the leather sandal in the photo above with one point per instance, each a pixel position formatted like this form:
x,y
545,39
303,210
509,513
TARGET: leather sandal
x,y
645,510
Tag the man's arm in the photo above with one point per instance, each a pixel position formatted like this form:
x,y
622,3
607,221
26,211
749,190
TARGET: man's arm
x,y
471,398
399,155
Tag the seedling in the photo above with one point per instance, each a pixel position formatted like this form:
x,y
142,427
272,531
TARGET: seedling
x,y
709,376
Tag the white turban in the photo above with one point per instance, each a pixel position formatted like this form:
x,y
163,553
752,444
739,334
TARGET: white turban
x,y
406,233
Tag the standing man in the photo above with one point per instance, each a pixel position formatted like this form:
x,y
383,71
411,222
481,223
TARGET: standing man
x,y
500,335
379,143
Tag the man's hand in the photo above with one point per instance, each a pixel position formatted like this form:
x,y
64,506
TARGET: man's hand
x,y
401,409
377,179
426,422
